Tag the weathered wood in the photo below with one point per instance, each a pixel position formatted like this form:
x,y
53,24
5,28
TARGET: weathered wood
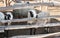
x,y
37,36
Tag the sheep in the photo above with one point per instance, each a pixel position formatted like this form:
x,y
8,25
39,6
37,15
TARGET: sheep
x,y
43,20
31,13
2,16
8,16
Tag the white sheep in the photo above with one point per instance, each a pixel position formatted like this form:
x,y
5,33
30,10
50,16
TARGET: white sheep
x,y
9,16
31,13
43,20
2,16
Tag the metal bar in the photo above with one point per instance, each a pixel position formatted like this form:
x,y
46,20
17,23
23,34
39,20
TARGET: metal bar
x,y
12,27
26,6
2,28
37,36
29,19
18,20
51,16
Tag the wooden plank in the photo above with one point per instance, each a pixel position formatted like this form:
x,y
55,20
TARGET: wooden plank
x,y
12,27
37,36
